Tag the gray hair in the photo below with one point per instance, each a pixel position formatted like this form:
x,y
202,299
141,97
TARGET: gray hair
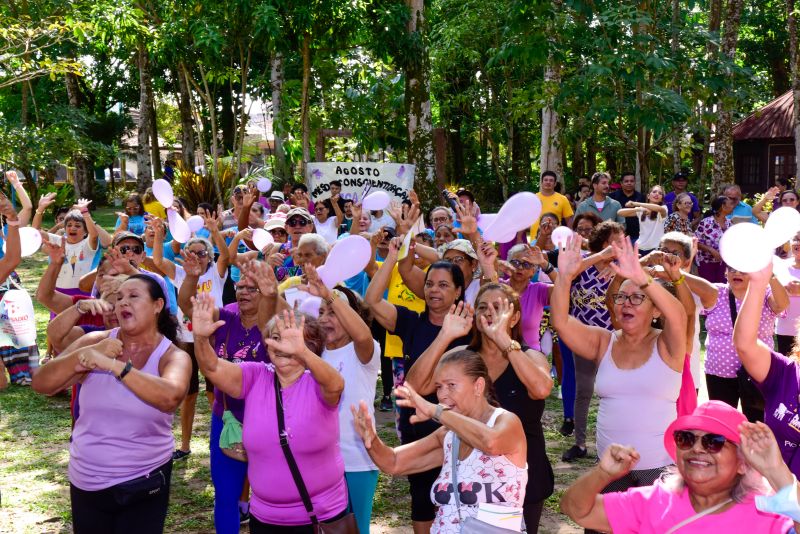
x,y
317,241
516,249
205,242
749,484
681,239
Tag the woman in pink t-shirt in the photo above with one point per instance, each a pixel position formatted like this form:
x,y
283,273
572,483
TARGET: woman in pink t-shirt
x,y
720,460
308,390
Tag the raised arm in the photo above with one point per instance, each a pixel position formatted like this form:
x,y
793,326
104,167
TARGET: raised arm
x,y
223,260
414,277
233,247
62,330
227,376
753,353
384,312
164,265
337,210
188,289
758,208
65,370
22,195
416,457
779,297
13,254
457,323
586,341
44,202
46,292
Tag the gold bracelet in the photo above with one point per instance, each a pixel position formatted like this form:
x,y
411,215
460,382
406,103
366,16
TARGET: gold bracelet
x,y
329,300
649,281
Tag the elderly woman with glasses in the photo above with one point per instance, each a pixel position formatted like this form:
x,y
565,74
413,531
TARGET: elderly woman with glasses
x,y
679,220
719,461
639,365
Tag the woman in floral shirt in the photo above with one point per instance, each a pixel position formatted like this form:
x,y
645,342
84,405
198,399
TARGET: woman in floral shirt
x,y
709,262
678,220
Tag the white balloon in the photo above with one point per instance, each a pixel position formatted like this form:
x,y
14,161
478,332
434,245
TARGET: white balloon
x,y
782,225
485,220
347,258
262,238
30,240
195,223
264,185
746,247
560,235
518,213
177,226
377,200
163,192
310,305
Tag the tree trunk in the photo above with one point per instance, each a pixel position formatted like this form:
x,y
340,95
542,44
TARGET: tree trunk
x,y
144,169
304,104
155,153
551,156
83,178
578,161
456,145
723,140
794,58
187,124
520,156
418,105
278,131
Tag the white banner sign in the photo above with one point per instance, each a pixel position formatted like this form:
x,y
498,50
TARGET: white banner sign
x,y
397,179
17,322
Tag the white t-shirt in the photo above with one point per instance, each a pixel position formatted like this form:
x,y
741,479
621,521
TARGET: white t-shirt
x,y
650,232
600,205
210,282
471,292
328,230
359,384
378,222
786,272
78,261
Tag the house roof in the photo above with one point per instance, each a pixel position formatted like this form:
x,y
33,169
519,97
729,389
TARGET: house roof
x,y
772,121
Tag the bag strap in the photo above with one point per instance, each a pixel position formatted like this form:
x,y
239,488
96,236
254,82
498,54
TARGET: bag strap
x,y
697,516
732,305
287,452
455,444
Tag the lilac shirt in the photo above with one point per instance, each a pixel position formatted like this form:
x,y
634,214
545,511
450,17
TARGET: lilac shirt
x,y
236,344
313,429
781,389
721,357
532,302
118,436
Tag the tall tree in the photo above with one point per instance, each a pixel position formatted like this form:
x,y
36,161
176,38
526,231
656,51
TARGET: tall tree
x,y
794,59
144,167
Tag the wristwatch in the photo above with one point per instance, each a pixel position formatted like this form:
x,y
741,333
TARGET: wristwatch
x,y
438,413
514,345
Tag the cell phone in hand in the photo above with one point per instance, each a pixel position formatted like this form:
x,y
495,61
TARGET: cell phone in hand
x,y
450,200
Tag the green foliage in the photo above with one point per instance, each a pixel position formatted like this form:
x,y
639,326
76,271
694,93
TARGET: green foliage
x,y
195,188
65,193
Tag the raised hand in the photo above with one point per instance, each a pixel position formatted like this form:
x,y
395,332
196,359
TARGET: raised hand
x,y
356,211
55,251
191,264
101,355
6,208
760,448
627,265
500,327
203,324
123,218
83,204
290,331
487,255
315,285
264,277
569,259
94,306
458,321
46,200
247,234
408,398
762,277
212,223
468,215
618,460
109,285
396,244
119,263
365,426
535,256
672,266
13,179
772,193
250,197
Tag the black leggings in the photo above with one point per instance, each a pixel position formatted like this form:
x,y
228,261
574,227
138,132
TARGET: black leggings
x,y
257,527
98,512
728,391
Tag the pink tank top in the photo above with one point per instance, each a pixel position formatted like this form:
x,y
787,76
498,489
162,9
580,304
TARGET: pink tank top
x,y
118,437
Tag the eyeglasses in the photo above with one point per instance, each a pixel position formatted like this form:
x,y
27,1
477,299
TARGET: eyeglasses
x,y
584,230
136,249
440,219
246,289
293,223
200,253
668,251
277,231
456,260
712,443
520,264
635,299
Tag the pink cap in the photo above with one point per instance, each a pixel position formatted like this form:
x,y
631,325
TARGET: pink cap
x,y
714,417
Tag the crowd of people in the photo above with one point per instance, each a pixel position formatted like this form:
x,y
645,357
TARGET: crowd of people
x,y
466,338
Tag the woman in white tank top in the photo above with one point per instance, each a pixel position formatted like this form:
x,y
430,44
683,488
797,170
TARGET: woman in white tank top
x,y
639,366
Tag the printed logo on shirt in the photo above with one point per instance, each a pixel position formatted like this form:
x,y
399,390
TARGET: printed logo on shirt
x,y
781,411
795,422
205,287
469,492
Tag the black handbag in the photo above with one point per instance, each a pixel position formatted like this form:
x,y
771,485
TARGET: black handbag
x,y
343,525
747,388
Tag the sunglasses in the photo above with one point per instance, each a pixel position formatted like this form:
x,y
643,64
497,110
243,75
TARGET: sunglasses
x,y
246,289
519,264
293,223
712,443
278,231
200,253
136,249
635,299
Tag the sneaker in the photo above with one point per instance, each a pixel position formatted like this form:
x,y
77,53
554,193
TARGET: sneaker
x,y
180,455
567,427
244,517
386,405
574,453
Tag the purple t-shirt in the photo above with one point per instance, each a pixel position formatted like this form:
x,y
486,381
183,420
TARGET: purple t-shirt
x,y
532,302
312,426
781,389
236,344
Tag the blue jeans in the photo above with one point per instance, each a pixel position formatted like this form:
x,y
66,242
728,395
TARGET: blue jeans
x,y
567,381
361,491
228,477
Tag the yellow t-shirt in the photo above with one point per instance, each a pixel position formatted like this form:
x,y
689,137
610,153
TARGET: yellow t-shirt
x,y
399,294
556,204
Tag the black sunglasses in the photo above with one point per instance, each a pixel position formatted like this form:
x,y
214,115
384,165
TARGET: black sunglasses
x,y
296,222
200,253
519,264
136,249
712,443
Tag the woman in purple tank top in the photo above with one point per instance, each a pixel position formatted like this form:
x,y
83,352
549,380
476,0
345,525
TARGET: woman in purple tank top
x,y
132,380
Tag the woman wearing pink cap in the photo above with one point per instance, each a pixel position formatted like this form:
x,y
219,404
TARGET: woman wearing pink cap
x,y
710,490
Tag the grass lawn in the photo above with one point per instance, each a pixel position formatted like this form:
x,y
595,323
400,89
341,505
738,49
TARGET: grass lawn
x,y
34,451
